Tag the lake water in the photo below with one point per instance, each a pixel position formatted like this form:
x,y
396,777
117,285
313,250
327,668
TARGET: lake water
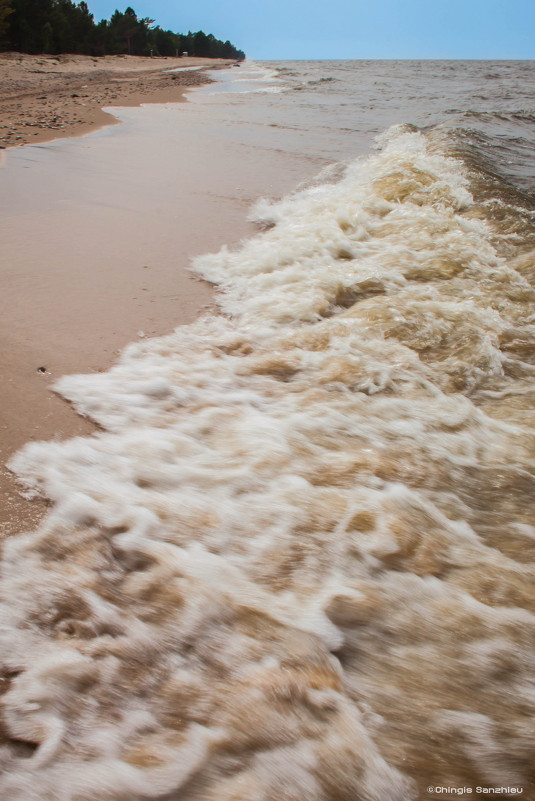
x,y
296,563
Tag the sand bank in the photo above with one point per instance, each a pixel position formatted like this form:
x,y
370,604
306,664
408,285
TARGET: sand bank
x,y
46,97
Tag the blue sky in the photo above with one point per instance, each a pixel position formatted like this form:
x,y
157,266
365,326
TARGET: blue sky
x,y
335,29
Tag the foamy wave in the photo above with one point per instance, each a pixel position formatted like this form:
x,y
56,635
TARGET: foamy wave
x,y
250,78
291,567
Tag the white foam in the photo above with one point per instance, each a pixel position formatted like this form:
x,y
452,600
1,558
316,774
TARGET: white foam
x,y
249,78
281,525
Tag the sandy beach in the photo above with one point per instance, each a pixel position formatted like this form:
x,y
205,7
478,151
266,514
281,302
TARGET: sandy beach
x,y
97,232
46,97
43,98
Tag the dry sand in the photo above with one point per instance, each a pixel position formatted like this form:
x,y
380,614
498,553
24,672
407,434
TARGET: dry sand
x,y
46,97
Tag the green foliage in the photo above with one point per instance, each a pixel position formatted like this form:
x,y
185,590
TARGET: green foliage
x,y
63,26
5,10
49,26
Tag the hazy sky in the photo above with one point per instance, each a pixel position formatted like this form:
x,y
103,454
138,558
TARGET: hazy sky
x,y
313,29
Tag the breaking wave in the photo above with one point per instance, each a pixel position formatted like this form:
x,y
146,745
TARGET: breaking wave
x,y
296,563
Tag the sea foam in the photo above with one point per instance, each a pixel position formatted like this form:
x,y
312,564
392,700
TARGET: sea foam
x,y
290,566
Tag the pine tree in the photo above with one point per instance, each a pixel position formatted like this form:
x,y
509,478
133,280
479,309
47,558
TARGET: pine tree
x,y
6,10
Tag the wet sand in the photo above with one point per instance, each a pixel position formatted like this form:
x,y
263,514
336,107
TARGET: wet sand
x,y
43,98
97,234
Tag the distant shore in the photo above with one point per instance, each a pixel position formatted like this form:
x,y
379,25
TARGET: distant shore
x,y
48,97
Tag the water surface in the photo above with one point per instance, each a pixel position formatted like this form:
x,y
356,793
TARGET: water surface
x,y
297,561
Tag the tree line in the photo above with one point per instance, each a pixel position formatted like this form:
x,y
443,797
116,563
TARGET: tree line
x,y
63,26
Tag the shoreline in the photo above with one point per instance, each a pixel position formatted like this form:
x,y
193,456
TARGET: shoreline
x,y
31,409
43,98
98,233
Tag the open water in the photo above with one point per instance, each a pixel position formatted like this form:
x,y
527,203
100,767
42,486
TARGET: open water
x,y
296,563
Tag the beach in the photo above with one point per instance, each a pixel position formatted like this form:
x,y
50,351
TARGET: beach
x,y
47,97
72,300
44,98
292,553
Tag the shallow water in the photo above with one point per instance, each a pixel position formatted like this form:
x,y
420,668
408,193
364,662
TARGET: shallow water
x,y
297,561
